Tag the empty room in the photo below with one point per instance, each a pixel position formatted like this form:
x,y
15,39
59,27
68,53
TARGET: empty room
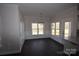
x,y
39,29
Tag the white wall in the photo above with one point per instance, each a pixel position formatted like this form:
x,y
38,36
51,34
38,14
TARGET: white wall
x,y
10,29
0,31
78,20
66,15
12,33
28,20
22,36
78,25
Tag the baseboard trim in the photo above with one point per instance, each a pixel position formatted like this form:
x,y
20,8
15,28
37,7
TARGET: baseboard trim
x,y
9,52
37,38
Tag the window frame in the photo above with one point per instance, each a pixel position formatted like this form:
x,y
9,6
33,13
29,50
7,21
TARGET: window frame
x,y
55,28
69,31
38,28
34,29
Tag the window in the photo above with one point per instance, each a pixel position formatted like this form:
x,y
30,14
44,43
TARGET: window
x,y
55,28
40,28
37,28
34,28
67,30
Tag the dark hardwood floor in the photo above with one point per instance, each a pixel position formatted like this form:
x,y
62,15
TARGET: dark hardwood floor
x,y
40,47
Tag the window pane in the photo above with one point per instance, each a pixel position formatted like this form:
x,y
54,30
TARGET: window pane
x,y
57,25
57,32
40,27
34,28
53,28
40,31
66,25
34,25
53,32
57,28
67,30
53,25
34,32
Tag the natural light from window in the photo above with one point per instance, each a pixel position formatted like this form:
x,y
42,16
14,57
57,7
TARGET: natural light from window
x,y
34,28
67,30
40,27
37,28
55,28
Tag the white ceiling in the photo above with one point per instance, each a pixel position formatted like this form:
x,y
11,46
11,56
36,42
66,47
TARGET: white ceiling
x,y
47,9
